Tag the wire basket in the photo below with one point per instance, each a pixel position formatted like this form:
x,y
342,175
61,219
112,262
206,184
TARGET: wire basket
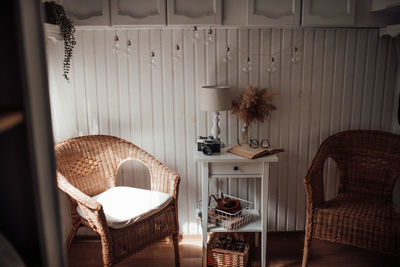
x,y
229,221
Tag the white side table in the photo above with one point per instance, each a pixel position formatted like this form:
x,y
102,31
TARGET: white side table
x,y
227,165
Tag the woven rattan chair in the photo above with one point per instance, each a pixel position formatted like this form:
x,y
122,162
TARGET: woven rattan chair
x,y
87,166
362,214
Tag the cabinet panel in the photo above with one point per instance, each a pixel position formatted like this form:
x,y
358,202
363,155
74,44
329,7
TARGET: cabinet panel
x,y
328,12
194,12
138,12
273,12
89,12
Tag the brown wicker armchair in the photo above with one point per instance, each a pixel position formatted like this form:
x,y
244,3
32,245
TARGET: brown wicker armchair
x,y
362,214
87,166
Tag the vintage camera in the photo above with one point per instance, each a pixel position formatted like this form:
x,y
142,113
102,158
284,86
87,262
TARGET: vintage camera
x,y
208,145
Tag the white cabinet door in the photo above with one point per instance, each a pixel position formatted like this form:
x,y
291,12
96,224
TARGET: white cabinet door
x,y
273,12
88,12
384,4
328,12
138,12
194,12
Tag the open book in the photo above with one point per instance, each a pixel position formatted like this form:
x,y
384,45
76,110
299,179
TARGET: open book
x,y
246,151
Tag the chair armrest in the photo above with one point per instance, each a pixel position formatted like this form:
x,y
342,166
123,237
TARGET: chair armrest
x,y
93,210
314,180
76,194
163,179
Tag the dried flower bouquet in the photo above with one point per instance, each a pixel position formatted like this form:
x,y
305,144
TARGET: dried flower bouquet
x,y
253,104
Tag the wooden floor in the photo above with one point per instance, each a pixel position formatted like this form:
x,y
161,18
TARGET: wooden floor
x,y
284,249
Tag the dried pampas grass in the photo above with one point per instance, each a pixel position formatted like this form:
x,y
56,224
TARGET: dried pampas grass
x,y
253,104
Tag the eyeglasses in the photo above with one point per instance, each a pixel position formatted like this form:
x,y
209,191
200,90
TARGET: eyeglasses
x,y
254,143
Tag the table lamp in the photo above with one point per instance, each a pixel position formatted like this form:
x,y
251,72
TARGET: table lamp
x,y
215,98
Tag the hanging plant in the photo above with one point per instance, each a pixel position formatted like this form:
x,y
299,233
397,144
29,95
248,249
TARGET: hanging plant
x,y
55,14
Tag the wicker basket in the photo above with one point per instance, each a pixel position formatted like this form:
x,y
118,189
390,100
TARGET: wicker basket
x,y
217,256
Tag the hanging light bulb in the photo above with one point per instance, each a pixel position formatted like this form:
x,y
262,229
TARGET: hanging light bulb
x,y
227,57
209,38
271,68
117,47
153,61
247,68
196,35
296,57
128,48
178,53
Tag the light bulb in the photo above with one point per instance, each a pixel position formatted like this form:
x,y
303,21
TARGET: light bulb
x,y
247,68
178,53
296,57
128,48
209,37
271,67
153,60
196,35
117,47
228,57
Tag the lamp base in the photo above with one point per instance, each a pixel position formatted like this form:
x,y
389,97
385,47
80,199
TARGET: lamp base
x,y
215,131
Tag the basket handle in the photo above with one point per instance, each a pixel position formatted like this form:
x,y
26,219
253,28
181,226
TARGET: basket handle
x,y
209,199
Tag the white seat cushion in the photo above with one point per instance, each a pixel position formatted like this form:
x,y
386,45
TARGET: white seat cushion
x,y
126,205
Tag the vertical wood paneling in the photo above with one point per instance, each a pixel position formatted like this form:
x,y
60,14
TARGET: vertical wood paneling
x,y
90,82
190,133
99,50
112,86
344,80
180,132
244,77
275,84
158,96
294,128
79,85
304,121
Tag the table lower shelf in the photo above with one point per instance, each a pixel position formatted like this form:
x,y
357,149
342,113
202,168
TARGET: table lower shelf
x,y
253,226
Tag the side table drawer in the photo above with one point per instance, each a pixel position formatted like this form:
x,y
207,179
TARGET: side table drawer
x,y
231,168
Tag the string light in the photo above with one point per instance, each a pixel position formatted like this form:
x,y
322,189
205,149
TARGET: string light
x,y
296,57
128,48
196,35
117,47
247,68
271,68
209,38
227,59
178,53
153,60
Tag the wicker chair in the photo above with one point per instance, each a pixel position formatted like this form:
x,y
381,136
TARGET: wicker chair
x,y
87,166
362,214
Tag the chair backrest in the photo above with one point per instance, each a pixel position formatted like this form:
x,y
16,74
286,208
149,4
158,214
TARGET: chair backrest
x,y
90,163
368,161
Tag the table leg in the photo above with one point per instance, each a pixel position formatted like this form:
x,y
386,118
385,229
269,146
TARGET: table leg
x,y
204,175
264,215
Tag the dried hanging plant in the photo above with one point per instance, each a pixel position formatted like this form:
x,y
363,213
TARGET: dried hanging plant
x,y
55,14
253,104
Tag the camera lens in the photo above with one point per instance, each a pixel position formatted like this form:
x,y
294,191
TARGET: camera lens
x,y
207,150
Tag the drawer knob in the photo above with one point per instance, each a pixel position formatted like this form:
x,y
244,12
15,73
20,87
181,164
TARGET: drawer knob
x,y
235,168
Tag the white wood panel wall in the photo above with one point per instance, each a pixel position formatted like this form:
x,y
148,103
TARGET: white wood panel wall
x,y
345,80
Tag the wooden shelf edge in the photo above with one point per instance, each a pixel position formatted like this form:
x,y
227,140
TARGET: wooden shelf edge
x,y
9,119
253,226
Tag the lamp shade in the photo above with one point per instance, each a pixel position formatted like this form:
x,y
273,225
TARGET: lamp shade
x,y
215,98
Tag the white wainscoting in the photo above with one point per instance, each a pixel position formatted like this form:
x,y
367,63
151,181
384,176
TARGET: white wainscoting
x,y
344,80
